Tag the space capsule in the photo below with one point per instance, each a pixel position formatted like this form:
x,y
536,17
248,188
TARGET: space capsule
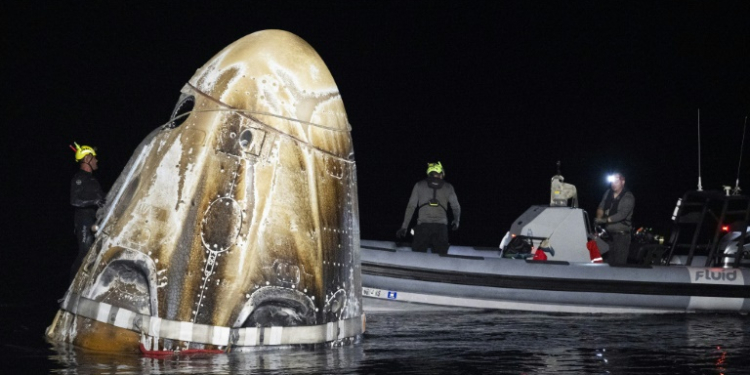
x,y
236,224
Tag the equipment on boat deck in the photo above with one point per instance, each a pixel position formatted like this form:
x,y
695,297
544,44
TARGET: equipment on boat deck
x,y
557,229
701,221
709,228
563,230
561,192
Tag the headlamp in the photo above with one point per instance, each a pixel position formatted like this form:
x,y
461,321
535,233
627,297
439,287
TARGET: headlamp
x,y
611,178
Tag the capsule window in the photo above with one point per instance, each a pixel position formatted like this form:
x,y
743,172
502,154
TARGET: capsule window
x,y
181,111
246,139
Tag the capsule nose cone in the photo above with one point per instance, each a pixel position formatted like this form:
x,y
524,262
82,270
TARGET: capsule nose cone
x,y
278,79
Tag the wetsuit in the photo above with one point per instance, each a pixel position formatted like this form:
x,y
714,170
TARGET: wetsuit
x,y
619,212
431,197
86,196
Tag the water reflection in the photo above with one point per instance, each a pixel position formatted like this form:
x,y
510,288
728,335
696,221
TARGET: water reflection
x,y
720,338
74,361
450,343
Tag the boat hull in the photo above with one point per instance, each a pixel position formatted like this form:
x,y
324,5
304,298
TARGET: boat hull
x,y
470,278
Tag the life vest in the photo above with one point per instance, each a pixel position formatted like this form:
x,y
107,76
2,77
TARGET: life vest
x,y
434,184
611,203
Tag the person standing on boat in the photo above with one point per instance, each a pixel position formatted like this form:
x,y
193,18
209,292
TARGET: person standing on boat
x,y
86,196
615,213
431,197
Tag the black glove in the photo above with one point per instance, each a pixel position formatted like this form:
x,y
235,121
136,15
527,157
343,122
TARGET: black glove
x,y
401,233
600,220
454,225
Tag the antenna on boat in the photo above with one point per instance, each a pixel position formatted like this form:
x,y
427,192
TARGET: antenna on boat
x,y
700,187
737,189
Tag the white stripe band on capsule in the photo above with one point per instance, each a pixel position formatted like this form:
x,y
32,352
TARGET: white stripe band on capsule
x,y
207,334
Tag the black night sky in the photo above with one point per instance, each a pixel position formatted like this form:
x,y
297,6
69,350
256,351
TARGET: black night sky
x,y
498,91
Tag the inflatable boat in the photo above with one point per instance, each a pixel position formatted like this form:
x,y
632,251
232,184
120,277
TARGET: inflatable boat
x,y
702,267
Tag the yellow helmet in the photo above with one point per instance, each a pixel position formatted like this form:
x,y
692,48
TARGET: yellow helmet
x,y
435,167
82,151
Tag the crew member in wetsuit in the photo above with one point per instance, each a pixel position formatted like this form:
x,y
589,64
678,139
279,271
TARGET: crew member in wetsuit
x,y
615,212
86,196
431,198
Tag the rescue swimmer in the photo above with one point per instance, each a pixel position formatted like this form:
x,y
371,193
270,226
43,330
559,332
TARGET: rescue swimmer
x,y
431,198
87,197
236,224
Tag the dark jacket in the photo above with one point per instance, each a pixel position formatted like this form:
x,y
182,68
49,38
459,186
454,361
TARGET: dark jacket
x,y
421,195
618,210
86,196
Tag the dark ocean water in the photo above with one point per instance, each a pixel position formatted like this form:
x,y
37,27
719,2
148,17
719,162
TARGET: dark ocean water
x,y
434,342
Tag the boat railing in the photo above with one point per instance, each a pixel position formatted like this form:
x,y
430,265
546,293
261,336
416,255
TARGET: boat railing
x,y
699,220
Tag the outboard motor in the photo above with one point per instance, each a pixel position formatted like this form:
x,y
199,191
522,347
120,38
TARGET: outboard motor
x,y
729,243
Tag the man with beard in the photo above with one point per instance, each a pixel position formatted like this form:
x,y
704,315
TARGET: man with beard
x,y
615,213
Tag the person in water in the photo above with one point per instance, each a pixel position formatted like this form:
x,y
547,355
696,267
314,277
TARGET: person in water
x,y
86,196
431,198
615,213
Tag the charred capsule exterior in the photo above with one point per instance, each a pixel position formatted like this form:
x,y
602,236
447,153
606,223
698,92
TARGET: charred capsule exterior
x,y
234,225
